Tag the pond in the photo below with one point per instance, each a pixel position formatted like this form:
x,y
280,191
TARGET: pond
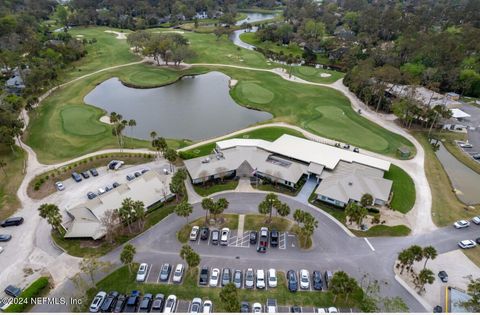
x,y
464,180
251,18
192,108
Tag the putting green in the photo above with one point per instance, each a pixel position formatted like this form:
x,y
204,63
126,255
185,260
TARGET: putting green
x,y
81,121
255,93
308,71
332,121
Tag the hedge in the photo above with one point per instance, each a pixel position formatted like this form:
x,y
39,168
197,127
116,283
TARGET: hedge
x,y
32,291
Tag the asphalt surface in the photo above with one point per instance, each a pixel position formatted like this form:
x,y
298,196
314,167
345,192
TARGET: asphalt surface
x,y
473,123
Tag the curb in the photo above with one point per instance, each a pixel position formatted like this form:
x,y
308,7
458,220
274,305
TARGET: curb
x,y
412,292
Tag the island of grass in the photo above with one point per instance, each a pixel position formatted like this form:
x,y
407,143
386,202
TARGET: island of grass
x,y
403,189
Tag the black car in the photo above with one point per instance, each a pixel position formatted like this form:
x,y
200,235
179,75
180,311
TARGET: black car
x,y
295,309
244,307
317,280
478,241
13,291
292,281
253,237
85,174
438,309
12,222
356,150
165,272
91,195
145,304
120,304
158,303
132,302
274,238
144,170
76,177
5,237
109,303
204,233
94,172
203,280
115,184
443,276
215,237
137,174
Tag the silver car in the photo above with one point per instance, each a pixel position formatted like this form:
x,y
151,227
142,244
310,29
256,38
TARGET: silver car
x,y
249,279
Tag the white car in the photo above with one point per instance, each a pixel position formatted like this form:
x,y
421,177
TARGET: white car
x,y
1,249
257,308
196,306
272,278
207,307
271,306
194,233
224,236
332,309
466,145
476,220
115,164
461,224
142,272
260,279
214,277
97,302
467,244
59,186
178,274
170,304
101,191
304,279
322,310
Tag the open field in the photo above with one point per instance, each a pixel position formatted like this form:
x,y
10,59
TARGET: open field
x,y
403,189
446,208
11,176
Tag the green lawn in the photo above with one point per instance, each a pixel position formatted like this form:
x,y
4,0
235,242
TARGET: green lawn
x,y
256,221
11,176
293,48
314,75
403,189
123,281
384,230
211,188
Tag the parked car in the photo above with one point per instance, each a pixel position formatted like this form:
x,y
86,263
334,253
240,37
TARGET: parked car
x,y
165,272
101,191
157,304
257,308
15,221
461,224
466,145
207,307
226,277
476,156
238,278
85,174
346,146
272,278
203,280
142,272
244,307
144,170
262,240
271,306
171,304
145,303
1,249
194,233
476,220
253,237
59,186
438,309
224,236
295,309
215,237
332,309
178,273
214,277
109,303
115,165
260,279
292,281
120,304
130,177
204,232
91,195
317,280
76,177
97,302
304,279
94,172
356,150
443,276
108,188
196,306
465,244
328,277
478,241
115,184
5,237
137,174
274,238
12,291
249,279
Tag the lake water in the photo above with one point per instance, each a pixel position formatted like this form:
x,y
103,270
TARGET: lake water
x,y
465,181
256,17
193,108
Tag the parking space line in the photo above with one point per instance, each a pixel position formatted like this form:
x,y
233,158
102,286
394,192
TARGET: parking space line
x,y
369,244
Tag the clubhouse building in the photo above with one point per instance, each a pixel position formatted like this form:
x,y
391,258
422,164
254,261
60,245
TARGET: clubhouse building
x,y
86,219
342,175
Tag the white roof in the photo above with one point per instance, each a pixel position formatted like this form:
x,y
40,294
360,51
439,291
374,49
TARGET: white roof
x,y
458,113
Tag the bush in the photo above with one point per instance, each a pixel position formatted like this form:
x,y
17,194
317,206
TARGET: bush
x,y
32,291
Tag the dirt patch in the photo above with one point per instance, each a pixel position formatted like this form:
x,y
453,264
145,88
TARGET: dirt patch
x,y
44,185
119,35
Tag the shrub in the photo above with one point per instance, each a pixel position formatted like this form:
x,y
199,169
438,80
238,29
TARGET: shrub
x,y
47,177
32,291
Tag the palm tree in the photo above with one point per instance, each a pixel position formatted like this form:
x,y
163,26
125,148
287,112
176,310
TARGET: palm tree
x,y
114,119
425,276
207,204
132,123
429,252
51,212
2,166
153,134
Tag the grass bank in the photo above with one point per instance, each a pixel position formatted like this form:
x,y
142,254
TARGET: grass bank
x,y
403,189
11,176
210,188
